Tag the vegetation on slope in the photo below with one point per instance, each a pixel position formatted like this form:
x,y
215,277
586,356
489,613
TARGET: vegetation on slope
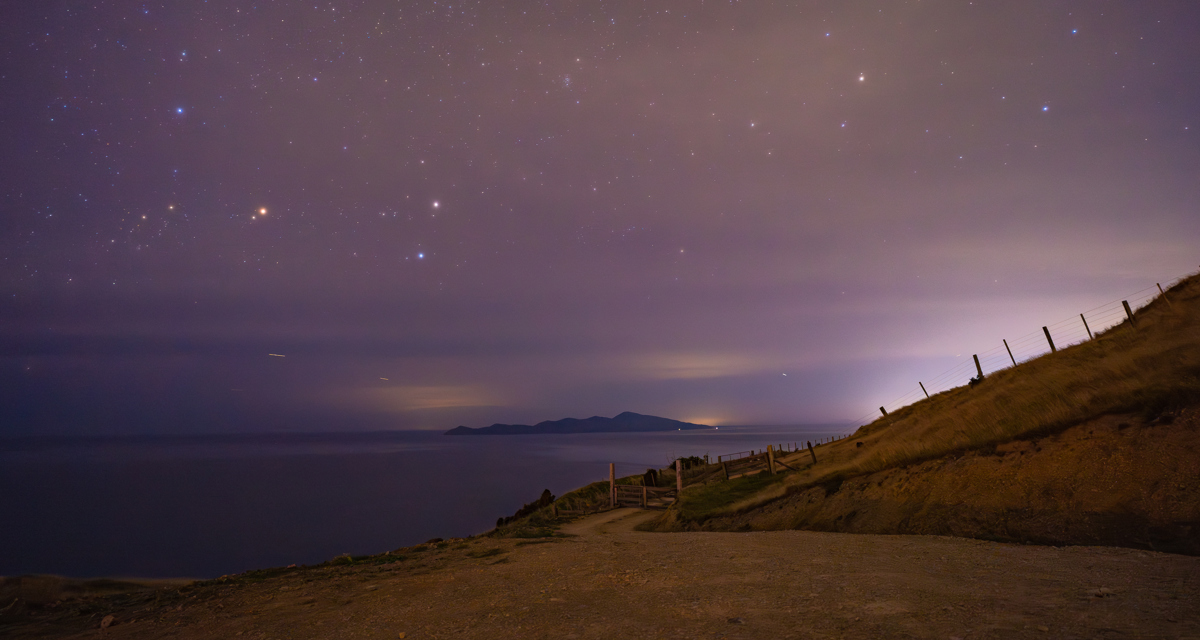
x,y
1145,369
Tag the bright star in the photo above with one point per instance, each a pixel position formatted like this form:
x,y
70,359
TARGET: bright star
x,y
861,78
179,110
262,211
436,204
420,256
1045,108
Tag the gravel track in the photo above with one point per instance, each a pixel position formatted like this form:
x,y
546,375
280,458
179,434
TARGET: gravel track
x,y
608,581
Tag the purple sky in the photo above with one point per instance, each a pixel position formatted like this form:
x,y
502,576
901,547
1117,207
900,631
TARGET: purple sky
x,y
483,212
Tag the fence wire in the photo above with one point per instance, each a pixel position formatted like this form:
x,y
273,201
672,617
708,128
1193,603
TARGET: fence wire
x,y
1064,333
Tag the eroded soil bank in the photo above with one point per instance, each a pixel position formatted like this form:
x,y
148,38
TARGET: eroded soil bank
x,y
1118,480
611,583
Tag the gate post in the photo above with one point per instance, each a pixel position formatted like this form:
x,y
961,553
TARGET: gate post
x,y
771,459
612,484
678,477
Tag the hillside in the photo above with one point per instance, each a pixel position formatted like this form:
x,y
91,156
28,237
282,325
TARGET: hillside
x,y
1098,443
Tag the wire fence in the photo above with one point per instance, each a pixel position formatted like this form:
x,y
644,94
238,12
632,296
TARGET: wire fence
x,y
1010,353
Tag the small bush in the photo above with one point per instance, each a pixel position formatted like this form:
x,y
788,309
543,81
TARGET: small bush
x,y
545,500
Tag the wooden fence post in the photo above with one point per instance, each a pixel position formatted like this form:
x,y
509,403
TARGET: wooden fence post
x,y
1087,328
1163,293
1010,355
771,459
679,476
612,484
977,367
1049,339
643,495
1129,312
923,388
725,468
811,452
883,411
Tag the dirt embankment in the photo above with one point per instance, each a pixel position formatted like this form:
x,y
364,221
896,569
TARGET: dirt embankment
x,y
1118,480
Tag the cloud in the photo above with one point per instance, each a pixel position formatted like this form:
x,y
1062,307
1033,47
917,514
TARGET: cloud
x,y
684,366
401,399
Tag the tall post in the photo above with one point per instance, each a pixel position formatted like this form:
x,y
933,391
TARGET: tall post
x,y
1129,312
1010,356
771,459
811,452
883,411
612,484
643,496
1049,339
923,389
1163,293
1086,328
679,476
977,367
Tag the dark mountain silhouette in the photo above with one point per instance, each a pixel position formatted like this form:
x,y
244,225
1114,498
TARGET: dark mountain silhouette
x,y
624,423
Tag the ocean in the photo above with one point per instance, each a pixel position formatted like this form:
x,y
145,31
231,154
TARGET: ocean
x,y
205,506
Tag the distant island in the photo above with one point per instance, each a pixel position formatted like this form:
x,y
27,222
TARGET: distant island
x,y
627,422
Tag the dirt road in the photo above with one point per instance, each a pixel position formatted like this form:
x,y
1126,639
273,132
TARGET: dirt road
x,y
608,581
615,521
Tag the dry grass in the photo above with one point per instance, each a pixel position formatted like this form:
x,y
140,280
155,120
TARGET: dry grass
x,y
1148,369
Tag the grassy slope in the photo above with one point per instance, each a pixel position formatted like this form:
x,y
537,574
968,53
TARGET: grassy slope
x,y
1139,373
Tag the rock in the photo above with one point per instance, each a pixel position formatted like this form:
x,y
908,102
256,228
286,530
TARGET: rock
x,y
1043,628
107,622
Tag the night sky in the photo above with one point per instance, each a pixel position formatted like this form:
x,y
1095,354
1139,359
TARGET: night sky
x,y
444,213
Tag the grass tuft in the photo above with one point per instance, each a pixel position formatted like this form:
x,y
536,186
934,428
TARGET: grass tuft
x,y
722,498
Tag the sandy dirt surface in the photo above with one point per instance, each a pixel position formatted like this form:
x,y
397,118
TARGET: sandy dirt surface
x,y
608,581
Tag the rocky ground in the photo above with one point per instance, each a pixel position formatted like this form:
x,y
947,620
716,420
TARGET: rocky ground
x,y
601,579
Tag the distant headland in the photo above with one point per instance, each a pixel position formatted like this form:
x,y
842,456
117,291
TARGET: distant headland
x,y
627,422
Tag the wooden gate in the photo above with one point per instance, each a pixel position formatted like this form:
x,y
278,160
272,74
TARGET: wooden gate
x,y
632,495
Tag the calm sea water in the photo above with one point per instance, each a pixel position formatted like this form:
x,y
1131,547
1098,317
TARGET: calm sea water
x,y
211,505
